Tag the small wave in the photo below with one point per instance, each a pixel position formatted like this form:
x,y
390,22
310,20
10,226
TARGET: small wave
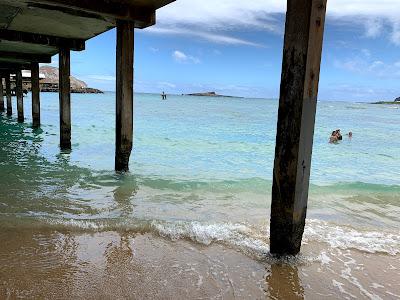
x,y
252,240
344,237
239,236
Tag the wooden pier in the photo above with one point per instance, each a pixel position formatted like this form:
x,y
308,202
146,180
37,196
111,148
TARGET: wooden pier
x,y
32,31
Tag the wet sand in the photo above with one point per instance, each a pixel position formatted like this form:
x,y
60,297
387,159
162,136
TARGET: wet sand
x,y
49,264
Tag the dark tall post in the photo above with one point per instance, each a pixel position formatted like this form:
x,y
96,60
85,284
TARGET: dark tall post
x,y
20,96
35,94
1,95
296,117
124,93
65,99
8,95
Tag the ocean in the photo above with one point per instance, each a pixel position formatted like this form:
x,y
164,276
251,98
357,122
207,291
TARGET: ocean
x,y
191,219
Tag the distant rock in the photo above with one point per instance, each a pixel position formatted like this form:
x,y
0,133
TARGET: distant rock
x,y
50,82
209,94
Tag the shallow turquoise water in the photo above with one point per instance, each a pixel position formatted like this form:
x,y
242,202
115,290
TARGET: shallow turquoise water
x,y
201,169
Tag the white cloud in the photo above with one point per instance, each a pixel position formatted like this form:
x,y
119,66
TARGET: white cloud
x,y
181,57
395,37
166,84
373,27
376,68
217,21
101,77
217,38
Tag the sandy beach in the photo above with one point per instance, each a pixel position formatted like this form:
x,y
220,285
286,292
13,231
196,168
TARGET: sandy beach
x,y
112,265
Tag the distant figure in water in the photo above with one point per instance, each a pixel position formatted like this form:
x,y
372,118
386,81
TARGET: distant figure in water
x,y
163,96
350,134
336,136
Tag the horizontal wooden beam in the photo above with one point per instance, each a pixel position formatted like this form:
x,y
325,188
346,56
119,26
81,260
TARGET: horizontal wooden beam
x,y
141,16
11,67
28,57
41,39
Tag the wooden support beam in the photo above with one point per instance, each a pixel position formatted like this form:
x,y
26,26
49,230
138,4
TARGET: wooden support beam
x,y
41,39
28,57
8,95
65,99
296,117
124,94
116,10
1,95
20,96
35,95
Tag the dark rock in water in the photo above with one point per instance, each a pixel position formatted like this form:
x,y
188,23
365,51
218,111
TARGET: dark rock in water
x,y
209,94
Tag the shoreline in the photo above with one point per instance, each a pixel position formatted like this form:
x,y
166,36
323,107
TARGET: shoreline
x,y
386,102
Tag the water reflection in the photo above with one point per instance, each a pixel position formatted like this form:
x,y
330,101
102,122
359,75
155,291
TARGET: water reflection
x,y
123,195
283,282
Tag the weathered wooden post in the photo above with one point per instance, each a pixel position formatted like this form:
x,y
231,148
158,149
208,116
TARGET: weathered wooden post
x,y
8,95
65,99
296,117
1,95
124,94
20,95
35,95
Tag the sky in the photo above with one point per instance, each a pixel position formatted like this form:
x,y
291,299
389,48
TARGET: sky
x,y
235,48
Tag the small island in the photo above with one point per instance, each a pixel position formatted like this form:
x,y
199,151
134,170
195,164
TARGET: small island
x,y
396,101
209,94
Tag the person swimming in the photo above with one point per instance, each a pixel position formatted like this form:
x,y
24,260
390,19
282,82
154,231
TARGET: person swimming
x,y
335,137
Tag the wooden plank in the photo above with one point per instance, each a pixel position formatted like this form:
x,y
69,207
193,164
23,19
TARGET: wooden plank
x,y
1,95
8,95
124,94
20,96
41,39
40,58
296,118
65,99
116,10
35,95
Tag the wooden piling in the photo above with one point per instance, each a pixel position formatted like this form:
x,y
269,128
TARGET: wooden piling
x,y
296,118
124,94
1,95
8,95
35,95
20,95
65,98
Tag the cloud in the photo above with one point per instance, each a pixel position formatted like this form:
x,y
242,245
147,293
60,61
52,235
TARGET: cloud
x,y
166,84
181,57
216,21
217,38
373,27
101,77
366,66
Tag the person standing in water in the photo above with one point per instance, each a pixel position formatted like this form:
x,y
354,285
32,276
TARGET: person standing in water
x,y
163,96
